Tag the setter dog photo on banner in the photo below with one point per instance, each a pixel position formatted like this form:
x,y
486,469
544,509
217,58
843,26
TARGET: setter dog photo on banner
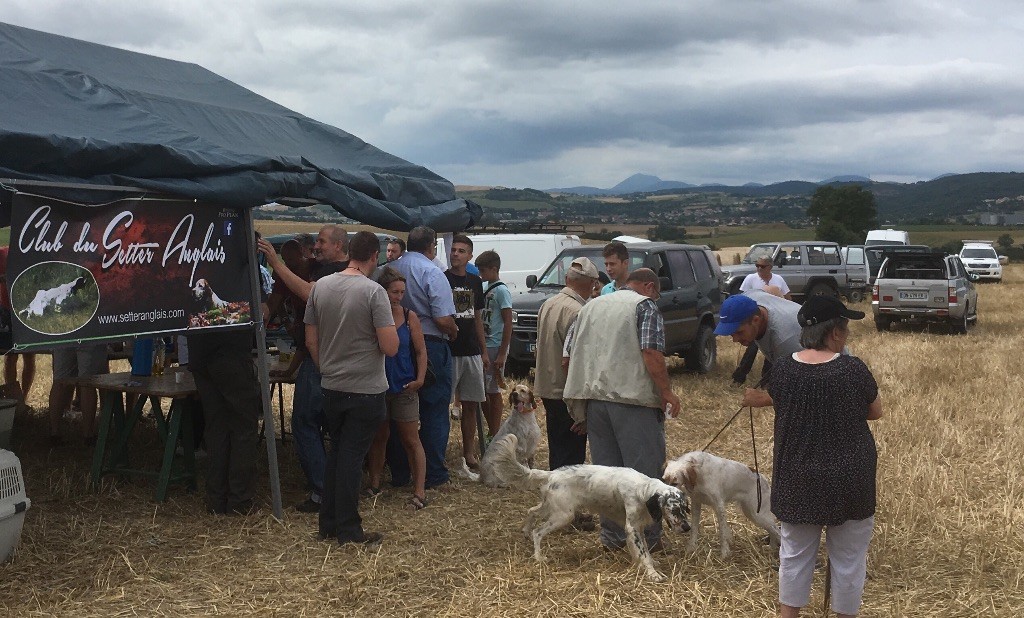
x,y
131,267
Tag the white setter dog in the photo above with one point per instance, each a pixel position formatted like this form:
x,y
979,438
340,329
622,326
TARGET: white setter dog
x,y
716,481
630,498
521,423
54,297
205,296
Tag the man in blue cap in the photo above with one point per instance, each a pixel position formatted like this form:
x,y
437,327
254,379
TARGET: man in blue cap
x,y
764,319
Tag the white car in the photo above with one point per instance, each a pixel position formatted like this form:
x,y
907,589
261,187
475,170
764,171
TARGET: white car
x,y
980,258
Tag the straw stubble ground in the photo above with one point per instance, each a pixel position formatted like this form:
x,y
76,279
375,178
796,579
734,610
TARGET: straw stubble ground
x,y
948,540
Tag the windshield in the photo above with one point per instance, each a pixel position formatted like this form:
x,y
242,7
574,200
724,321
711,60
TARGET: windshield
x,y
759,251
879,241
555,274
987,252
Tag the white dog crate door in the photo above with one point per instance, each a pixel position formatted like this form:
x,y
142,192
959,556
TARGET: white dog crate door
x,y
13,503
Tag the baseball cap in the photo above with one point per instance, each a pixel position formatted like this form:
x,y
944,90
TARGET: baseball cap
x,y
735,311
822,308
585,267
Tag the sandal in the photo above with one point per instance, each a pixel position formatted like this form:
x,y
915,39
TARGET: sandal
x,y
372,492
416,503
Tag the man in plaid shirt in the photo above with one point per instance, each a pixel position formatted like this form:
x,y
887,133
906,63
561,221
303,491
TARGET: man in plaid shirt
x,y
616,351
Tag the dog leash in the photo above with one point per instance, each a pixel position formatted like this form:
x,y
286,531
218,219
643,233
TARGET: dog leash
x,y
753,440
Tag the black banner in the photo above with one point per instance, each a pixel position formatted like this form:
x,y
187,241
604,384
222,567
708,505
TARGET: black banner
x,y
132,267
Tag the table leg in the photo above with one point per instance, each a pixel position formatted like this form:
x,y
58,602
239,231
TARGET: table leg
x,y
170,442
280,408
120,455
106,412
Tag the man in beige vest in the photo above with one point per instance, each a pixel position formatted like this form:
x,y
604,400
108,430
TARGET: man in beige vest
x,y
617,364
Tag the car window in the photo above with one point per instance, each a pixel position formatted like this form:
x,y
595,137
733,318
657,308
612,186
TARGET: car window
x,y
788,254
682,271
701,268
855,256
555,274
758,251
823,255
979,253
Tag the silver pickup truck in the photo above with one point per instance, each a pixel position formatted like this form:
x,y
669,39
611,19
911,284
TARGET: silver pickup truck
x,y
809,267
924,287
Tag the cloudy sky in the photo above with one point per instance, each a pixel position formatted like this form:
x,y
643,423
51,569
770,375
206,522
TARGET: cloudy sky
x,y
549,93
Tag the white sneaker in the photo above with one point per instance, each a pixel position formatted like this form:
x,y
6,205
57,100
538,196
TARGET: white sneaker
x,y
456,412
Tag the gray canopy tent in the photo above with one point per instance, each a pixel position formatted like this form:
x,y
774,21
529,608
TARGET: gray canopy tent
x,y
89,124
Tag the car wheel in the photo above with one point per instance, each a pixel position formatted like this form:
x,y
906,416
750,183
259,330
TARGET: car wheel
x,y
882,324
855,296
701,357
821,289
959,326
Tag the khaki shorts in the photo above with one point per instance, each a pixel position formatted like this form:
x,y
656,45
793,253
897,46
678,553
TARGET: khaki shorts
x,y
468,378
87,360
491,383
403,407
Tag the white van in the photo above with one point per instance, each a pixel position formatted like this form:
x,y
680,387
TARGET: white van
x,y
887,237
523,255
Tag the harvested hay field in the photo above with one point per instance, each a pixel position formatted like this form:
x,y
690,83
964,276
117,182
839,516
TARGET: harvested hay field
x,y
949,537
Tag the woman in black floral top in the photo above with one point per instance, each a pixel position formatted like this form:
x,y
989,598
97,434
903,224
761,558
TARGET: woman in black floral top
x,y
824,470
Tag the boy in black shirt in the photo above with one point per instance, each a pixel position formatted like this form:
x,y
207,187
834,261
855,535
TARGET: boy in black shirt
x,y
468,361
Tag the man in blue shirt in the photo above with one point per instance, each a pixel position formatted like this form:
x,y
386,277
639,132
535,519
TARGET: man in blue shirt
x,y
616,264
429,294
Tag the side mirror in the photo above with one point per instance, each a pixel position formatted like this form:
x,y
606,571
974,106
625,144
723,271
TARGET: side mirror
x,y
666,283
531,281
973,277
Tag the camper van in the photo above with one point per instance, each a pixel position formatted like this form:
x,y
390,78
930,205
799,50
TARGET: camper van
x,y
887,237
523,255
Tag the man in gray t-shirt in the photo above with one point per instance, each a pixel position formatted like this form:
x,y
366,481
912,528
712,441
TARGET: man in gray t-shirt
x,y
764,319
349,331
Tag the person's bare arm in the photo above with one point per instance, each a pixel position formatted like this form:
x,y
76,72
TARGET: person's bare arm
x,y
387,340
299,286
446,324
313,344
654,361
875,409
419,347
506,339
481,338
756,398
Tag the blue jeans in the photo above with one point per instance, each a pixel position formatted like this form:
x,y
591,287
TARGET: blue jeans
x,y
434,422
307,420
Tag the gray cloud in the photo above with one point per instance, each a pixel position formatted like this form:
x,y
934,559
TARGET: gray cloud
x,y
557,93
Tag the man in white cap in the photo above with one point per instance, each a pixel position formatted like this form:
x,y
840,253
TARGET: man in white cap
x,y
566,427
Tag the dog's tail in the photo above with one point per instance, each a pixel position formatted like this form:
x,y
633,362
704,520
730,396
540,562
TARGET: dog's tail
x,y
509,470
466,473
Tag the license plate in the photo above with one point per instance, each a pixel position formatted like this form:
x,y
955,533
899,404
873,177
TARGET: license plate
x,y
533,348
913,295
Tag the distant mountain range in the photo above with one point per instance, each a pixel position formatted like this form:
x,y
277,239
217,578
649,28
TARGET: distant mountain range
x,y
944,196
646,183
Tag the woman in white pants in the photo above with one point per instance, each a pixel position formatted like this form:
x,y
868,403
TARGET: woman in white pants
x,y
825,458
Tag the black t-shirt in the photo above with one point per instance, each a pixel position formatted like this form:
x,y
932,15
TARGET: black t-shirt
x,y
317,271
468,292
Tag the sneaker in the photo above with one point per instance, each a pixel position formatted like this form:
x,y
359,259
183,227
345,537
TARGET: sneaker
x,y
369,539
456,412
309,505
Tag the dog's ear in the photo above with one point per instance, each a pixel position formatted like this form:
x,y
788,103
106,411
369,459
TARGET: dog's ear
x,y
689,478
654,507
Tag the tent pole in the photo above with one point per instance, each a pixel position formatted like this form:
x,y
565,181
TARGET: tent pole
x,y
269,433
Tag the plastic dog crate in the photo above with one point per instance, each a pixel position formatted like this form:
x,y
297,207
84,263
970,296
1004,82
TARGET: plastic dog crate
x,y
7,408
13,504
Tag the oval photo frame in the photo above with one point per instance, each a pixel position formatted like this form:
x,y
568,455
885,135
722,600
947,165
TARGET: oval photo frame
x,y
55,298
